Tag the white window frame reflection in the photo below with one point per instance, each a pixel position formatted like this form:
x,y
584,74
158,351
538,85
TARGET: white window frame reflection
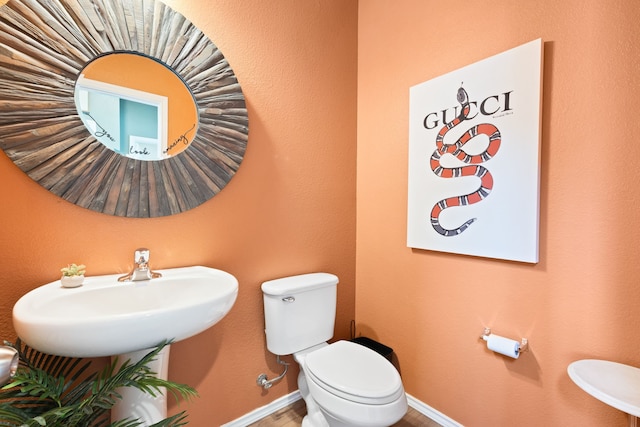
x,y
137,146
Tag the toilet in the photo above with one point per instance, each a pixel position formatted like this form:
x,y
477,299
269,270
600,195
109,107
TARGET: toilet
x,y
343,384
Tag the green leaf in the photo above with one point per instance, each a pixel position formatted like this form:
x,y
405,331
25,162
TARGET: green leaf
x,y
56,391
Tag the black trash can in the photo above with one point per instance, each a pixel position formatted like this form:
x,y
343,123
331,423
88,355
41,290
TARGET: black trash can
x,y
382,349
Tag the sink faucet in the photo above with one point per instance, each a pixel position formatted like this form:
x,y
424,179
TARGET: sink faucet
x,y
141,269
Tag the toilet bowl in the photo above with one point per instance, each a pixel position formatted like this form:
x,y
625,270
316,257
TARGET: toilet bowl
x,y
343,384
351,385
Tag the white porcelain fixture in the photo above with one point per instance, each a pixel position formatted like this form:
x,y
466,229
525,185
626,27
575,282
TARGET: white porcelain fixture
x,y
615,384
343,384
104,317
8,363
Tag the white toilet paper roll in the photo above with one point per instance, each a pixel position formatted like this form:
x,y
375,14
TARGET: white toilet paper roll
x,y
503,345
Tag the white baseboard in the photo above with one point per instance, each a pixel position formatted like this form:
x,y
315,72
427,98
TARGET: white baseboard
x,y
264,411
431,413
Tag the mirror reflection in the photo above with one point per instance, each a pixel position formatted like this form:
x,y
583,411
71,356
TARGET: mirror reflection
x,y
136,106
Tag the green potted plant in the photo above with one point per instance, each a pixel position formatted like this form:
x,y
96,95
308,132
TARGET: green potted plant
x,y
72,275
55,391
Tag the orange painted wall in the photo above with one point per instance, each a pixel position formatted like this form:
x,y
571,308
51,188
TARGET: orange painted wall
x,y
581,299
290,208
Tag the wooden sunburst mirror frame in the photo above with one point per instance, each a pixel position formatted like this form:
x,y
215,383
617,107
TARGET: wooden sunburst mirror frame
x,y
44,45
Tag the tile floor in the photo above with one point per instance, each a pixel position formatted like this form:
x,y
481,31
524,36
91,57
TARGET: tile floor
x,y
292,415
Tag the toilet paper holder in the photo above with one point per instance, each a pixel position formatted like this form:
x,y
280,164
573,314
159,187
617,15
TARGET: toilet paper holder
x,y
524,343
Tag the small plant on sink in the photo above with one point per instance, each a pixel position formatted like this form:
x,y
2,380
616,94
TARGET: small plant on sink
x,y
72,275
56,391
73,270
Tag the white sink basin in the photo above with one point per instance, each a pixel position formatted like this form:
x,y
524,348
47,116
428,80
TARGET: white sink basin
x,y
105,317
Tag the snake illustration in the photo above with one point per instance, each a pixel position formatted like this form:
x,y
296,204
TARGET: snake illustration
x,y
472,167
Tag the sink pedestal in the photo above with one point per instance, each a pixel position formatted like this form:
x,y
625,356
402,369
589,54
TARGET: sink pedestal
x,y
136,403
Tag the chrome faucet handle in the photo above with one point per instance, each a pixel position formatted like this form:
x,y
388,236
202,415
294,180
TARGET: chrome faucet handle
x,y
141,269
141,256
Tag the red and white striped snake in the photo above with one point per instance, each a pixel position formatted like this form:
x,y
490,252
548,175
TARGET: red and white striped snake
x,y
473,165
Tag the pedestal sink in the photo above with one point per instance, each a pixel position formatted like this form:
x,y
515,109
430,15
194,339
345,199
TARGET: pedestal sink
x,y
613,383
105,317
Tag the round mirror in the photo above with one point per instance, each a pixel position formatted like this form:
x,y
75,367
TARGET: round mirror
x,y
136,106
178,160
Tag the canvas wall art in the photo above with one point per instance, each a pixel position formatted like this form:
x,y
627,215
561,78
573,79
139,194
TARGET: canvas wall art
x,y
474,158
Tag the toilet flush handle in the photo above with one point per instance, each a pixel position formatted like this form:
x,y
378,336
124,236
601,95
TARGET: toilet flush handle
x,y
288,299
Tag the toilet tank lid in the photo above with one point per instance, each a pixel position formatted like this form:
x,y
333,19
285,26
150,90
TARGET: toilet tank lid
x,y
299,283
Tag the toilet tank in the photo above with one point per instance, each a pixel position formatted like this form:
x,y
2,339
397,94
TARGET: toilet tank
x,y
299,311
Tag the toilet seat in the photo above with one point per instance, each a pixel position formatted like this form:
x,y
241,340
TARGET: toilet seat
x,y
355,373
